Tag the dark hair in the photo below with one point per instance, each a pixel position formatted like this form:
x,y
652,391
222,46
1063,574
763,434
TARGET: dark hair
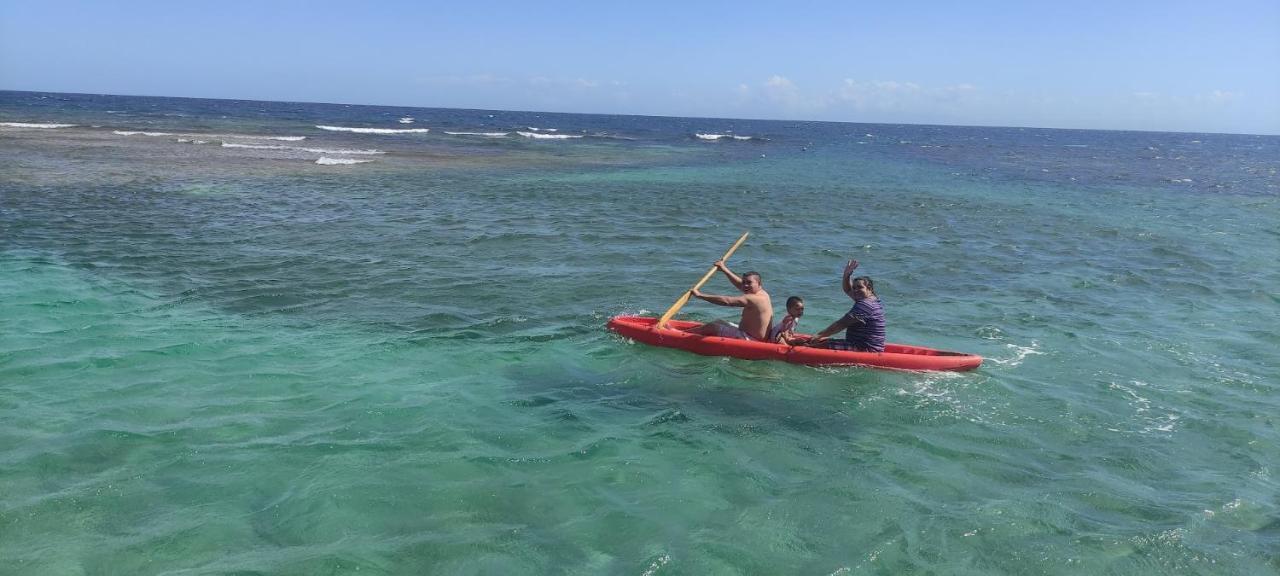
x,y
871,287
792,301
753,273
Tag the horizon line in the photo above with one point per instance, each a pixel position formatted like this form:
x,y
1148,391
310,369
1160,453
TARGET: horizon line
x,y
720,118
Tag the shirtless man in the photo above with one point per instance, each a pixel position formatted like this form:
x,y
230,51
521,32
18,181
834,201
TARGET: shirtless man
x,y
757,310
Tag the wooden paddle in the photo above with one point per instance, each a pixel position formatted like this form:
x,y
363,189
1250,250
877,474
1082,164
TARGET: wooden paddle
x,y
684,299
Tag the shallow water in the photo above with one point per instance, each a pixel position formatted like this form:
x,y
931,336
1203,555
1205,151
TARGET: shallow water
x,y
228,359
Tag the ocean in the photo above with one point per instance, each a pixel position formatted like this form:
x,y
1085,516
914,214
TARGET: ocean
x,y
243,337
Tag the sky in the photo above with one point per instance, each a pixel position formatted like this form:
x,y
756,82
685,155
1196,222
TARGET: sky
x,y
1172,65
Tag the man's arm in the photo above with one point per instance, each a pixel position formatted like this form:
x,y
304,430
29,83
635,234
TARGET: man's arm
x,y
734,278
738,301
846,281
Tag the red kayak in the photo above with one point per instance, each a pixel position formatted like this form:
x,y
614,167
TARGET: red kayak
x,y
895,356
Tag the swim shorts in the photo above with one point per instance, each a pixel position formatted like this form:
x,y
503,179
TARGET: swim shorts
x,y
725,330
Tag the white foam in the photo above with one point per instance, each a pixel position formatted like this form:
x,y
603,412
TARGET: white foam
x,y
341,151
237,136
1020,353
407,120
34,125
192,141
488,134
326,161
536,129
547,136
374,130
722,136
255,137
254,146
300,149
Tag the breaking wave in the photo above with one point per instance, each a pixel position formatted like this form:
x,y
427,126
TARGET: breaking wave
x,y
326,161
253,137
254,146
300,149
236,136
702,136
374,130
547,136
34,125
486,134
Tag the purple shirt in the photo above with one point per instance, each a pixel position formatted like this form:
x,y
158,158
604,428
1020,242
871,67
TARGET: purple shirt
x,y
866,325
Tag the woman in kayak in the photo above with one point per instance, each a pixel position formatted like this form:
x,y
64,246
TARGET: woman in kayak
x,y
863,324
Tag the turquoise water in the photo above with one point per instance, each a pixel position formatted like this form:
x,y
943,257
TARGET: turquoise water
x,y
233,360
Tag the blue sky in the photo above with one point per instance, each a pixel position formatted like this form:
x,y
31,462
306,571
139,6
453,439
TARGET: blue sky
x,y
1172,65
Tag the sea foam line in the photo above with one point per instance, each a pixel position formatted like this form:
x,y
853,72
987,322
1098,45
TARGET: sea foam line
x,y
374,130
326,161
547,136
34,125
487,134
721,136
255,137
298,148
238,136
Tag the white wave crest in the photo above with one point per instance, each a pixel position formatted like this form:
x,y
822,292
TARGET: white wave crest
x,y
374,130
407,120
547,136
702,136
300,149
192,141
34,125
487,134
369,152
254,146
256,137
236,136
326,161
536,129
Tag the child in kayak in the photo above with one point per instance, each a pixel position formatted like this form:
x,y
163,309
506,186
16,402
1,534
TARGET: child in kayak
x,y
785,331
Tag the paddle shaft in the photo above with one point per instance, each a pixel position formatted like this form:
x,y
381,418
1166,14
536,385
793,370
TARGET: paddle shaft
x,y
684,298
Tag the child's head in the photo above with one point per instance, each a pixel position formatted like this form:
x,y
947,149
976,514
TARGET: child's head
x,y
795,306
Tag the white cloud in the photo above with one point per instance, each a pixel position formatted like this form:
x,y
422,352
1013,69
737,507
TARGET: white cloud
x,y
876,94
468,80
782,90
1218,97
